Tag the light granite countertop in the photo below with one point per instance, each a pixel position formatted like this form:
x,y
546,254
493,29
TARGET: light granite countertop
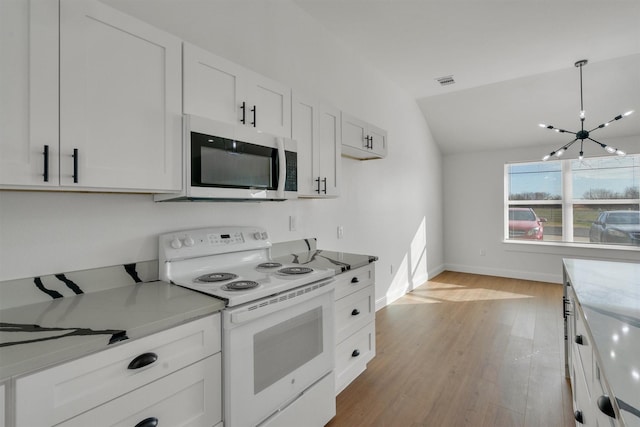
x,y
38,335
609,294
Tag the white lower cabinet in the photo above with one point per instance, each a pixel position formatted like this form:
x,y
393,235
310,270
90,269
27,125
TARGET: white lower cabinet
x,y
355,324
170,374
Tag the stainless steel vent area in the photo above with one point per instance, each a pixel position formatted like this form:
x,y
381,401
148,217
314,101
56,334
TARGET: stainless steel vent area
x,y
446,80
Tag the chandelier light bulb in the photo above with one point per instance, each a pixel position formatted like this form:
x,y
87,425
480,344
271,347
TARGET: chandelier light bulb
x,y
581,156
582,114
628,113
621,153
560,152
547,157
609,149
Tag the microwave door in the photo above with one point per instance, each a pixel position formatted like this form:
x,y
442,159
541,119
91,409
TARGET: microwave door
x,y
282,171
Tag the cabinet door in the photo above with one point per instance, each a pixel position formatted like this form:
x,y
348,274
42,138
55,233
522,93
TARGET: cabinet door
x,y
270,102
213,87
330,149
304,129
354,132
28,92
378,142
120,103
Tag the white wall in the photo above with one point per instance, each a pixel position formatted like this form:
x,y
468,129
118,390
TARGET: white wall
x,y
391,208
474,212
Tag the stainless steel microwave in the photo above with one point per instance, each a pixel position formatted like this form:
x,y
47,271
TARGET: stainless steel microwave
x,y
227,162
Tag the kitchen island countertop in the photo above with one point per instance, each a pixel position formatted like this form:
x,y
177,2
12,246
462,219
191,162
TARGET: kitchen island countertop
x,y
43,334
609,294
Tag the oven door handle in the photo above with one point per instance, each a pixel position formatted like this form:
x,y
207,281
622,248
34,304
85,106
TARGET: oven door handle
x,y
282,172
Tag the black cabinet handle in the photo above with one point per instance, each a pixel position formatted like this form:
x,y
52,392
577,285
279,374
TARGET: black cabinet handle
x,y
243,107
75,165
143,360
604,403
355,280
355,353
253,110
355,312
149,422
579,340
578,416
325,185
46,163
371,142
318,181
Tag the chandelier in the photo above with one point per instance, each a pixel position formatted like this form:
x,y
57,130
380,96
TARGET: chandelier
x,y
583,134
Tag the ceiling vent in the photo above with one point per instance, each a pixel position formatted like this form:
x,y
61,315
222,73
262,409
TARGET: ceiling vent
x,y
446,80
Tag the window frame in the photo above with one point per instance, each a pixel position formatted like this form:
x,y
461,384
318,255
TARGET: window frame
x,y
567,202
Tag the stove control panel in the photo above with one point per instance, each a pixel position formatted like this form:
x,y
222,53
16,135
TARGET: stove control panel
x,y
211,241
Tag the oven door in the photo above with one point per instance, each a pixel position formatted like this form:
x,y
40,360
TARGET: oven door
x,y
275,353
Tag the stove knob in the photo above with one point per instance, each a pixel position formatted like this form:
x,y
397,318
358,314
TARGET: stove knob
x,y
176,243
188,241
257,236
265,236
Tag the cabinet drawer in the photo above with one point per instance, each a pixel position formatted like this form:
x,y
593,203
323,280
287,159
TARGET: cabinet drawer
x,y
65,391
190,397
353,280
353,312
353,354
582,345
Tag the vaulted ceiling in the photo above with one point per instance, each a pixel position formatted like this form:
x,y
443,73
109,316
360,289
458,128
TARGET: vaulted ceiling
x,y
512,62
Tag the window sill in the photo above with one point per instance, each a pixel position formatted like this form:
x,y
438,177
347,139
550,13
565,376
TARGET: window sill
x,y
526,246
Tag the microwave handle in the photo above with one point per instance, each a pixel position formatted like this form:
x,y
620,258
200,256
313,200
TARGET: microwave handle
x,y
282,172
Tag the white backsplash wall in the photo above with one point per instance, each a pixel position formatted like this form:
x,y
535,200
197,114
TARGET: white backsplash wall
x,y
391,208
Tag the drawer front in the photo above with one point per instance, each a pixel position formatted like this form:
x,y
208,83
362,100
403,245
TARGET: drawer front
x,y
353,312
353,354
354,280
190,397
65,391
582,346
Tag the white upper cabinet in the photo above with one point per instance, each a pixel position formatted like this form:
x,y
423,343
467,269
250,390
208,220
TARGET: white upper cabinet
x,y
218,89
120,100
316,128
29,92
362,140
118,124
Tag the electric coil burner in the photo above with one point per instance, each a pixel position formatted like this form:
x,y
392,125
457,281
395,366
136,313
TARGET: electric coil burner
x,y
269,265
295,270
240,285
216,277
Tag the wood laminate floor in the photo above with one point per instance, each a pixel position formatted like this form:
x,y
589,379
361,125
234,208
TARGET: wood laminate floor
x,y
465,350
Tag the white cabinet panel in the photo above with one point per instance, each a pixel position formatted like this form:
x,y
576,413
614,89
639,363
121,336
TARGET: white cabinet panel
x,y
362,140
2,410
218,89
120,102
28,92
190,397
67,390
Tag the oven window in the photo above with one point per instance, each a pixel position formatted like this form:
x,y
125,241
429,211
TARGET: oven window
x,y
283,348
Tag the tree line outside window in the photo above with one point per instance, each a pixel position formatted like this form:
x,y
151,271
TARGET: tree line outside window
x,y
593,201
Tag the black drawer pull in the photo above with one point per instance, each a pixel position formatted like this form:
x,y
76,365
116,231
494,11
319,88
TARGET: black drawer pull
x,y
149,422
355,353
355,280
325,185
143,360
578,416
604,403
355,312
318,181
75,165
254,111
243,107
46,163
579,340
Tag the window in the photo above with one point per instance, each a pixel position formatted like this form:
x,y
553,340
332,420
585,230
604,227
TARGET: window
x,y
595,200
